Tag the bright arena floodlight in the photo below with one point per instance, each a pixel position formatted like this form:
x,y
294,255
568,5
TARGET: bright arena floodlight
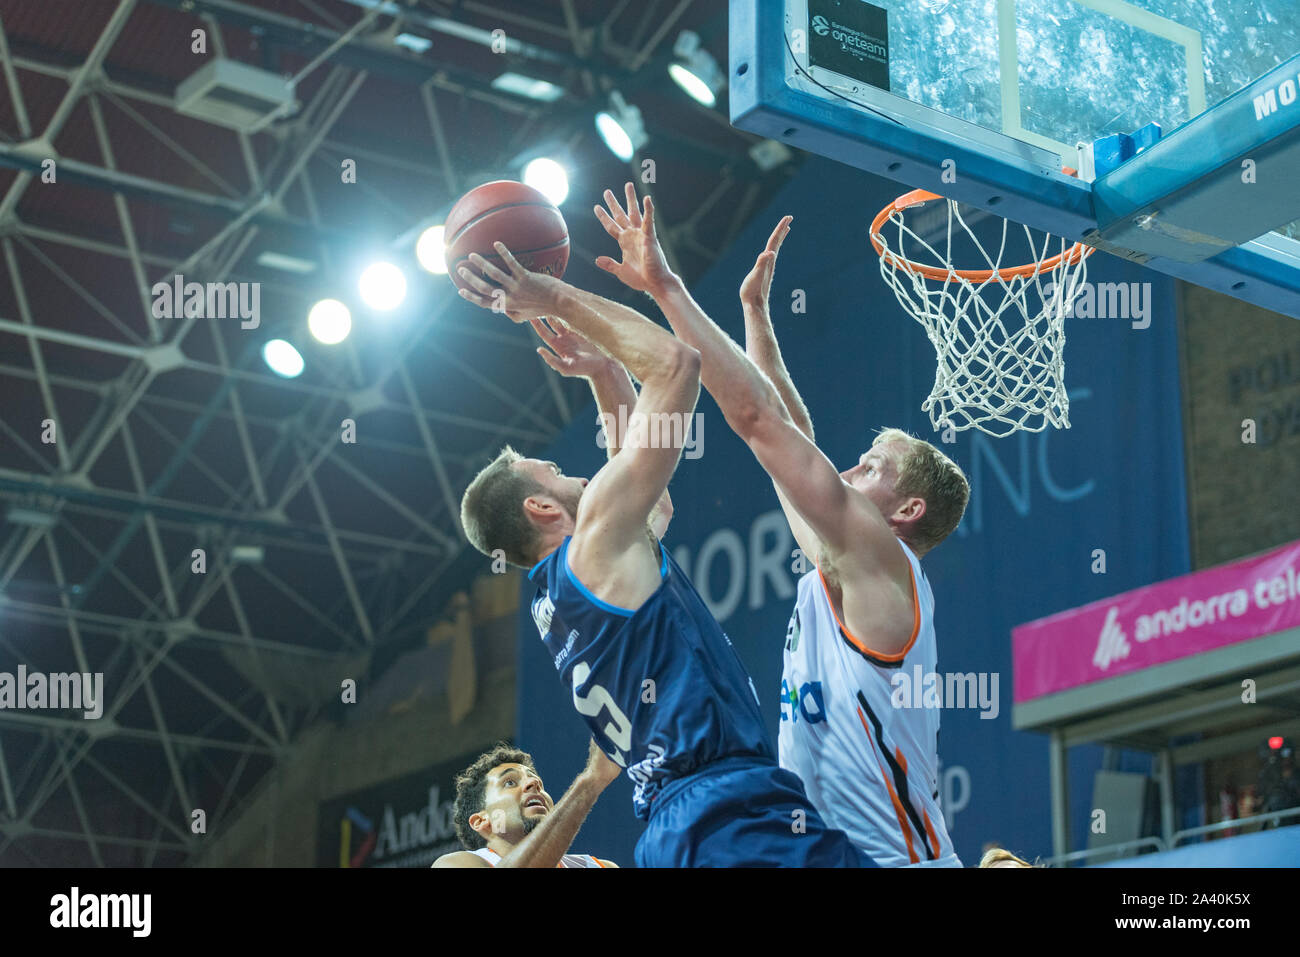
x,y
695,70
330,321
549,178
382,286
621,127
283,358
431,250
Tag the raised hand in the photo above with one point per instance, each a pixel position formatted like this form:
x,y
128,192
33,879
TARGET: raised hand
x,y
758,284
567,350
644,267
599,767
519,293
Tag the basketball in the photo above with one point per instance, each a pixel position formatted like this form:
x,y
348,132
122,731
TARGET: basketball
x,y
512,213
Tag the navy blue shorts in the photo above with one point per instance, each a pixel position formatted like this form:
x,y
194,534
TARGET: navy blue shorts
x,y
739,813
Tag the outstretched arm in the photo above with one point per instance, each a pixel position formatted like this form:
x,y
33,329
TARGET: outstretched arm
x,y
610,552
747,398
570,353
760,338
762,348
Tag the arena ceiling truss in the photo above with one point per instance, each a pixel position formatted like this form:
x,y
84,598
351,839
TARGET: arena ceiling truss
x,y
323,558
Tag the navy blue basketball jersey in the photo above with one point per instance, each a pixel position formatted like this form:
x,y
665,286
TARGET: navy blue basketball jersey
x,y
660,687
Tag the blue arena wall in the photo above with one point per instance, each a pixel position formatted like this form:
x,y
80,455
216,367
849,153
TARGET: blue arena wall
x,y
1040,505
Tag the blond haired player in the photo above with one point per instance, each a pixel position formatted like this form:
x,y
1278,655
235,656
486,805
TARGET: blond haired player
x,y
866,611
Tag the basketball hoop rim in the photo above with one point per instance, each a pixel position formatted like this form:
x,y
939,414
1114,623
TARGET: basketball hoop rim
x,y
919,197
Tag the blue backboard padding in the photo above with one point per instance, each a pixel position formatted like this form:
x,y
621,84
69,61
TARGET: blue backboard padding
x,y
1041,503
911,153
1277,848
1190,187
995,172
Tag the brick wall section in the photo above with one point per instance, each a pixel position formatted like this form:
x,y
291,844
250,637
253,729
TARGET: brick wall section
x,y
1240,362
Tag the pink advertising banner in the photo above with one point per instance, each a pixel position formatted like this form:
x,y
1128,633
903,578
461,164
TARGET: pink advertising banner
x,y
1162,622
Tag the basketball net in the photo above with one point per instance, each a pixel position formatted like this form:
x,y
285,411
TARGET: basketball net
x,y
998,332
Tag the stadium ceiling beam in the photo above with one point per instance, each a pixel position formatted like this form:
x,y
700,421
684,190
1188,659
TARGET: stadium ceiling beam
x,y
196,164
341,560
125,224
415,17
70,782
34,347
245,629
272,527
308,39
15,92
112,625
6,784
430,447
35,723
76,87
130,351
114,181
102,838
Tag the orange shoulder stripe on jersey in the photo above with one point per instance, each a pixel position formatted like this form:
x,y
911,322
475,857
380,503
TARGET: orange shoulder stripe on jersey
x,y
862,645
893,796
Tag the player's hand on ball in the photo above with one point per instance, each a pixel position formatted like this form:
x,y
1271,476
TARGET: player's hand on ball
x,y
568,351
600,767
644,267
758,284
515,291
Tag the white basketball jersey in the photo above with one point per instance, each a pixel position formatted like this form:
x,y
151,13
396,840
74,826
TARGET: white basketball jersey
x,y
568,860
870,768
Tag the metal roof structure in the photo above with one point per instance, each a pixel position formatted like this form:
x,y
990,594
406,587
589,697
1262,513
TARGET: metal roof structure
x,y
128,440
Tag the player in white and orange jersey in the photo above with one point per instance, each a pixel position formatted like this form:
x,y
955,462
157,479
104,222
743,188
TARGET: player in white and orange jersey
x,y
870,767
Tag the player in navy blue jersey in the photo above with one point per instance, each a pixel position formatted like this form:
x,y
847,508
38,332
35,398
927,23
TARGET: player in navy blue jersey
x,y
651,671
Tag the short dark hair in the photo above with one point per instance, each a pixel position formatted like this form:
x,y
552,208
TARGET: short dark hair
x,y
471,789
492,510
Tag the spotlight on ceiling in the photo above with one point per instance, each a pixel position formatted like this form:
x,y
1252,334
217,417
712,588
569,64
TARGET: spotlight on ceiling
x,y
621,127
330,321
383,286
283,358
549,178
413,42
695,70
431,250
247,554
287,263
527,86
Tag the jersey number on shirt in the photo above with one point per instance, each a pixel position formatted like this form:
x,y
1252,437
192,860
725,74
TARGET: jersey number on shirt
x,y
619,730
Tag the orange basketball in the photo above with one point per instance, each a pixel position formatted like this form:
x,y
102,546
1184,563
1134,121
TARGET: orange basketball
x,y
506,212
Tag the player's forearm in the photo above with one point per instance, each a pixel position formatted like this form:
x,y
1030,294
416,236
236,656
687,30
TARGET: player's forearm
x,y
740,388
761,347
553,837
613,390
646,351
